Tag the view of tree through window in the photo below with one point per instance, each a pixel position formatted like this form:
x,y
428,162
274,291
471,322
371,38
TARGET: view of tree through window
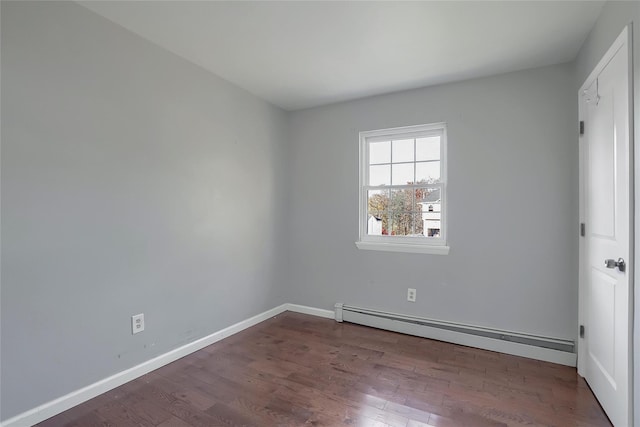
x,y
401,211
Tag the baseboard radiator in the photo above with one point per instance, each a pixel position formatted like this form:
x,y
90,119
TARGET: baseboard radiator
x,y
521,344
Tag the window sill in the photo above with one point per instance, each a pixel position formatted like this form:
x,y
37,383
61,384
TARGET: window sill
x,y
403,247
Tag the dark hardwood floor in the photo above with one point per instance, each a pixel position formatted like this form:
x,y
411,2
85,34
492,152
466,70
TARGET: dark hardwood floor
x,y
298,370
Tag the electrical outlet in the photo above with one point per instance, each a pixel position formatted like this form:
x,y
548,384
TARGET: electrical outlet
x,y
137,323
411,295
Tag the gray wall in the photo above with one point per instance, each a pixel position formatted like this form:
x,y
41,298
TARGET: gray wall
x,y
512,200
132,181
614,17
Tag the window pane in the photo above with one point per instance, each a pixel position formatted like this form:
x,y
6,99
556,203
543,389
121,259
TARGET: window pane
x,y
380,175
394,221
402,174
432,228
378,209
402,223
380,152
428,148
418,224
426,195
403,150
402,207
378,202
418,196
427,172
430,201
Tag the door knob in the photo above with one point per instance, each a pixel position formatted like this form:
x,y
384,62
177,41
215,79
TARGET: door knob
x,y
609,263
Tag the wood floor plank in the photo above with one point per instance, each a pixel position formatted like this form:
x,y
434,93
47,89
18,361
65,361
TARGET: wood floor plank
x,y
298,370
174,422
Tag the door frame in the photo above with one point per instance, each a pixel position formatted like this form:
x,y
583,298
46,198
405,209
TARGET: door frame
x,y
623,41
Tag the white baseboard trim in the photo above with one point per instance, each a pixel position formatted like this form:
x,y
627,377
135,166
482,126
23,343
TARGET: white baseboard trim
x,y
61,404
319,312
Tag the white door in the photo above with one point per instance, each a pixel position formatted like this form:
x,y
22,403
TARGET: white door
x,y
605,351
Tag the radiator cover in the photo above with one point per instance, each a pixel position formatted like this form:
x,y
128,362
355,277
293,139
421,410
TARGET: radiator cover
x,y
534,346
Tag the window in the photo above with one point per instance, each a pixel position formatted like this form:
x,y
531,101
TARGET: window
x,y
403,188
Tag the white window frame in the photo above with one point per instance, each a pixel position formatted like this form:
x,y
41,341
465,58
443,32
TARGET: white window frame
x,y
414,244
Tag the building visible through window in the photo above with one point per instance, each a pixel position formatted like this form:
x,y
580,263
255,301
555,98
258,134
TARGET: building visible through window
x,y
431,216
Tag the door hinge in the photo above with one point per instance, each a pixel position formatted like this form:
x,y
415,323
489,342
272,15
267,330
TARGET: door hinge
x,y
581,331
581,127
582,229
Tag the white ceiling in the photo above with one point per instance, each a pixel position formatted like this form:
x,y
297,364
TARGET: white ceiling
x,y
303,54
